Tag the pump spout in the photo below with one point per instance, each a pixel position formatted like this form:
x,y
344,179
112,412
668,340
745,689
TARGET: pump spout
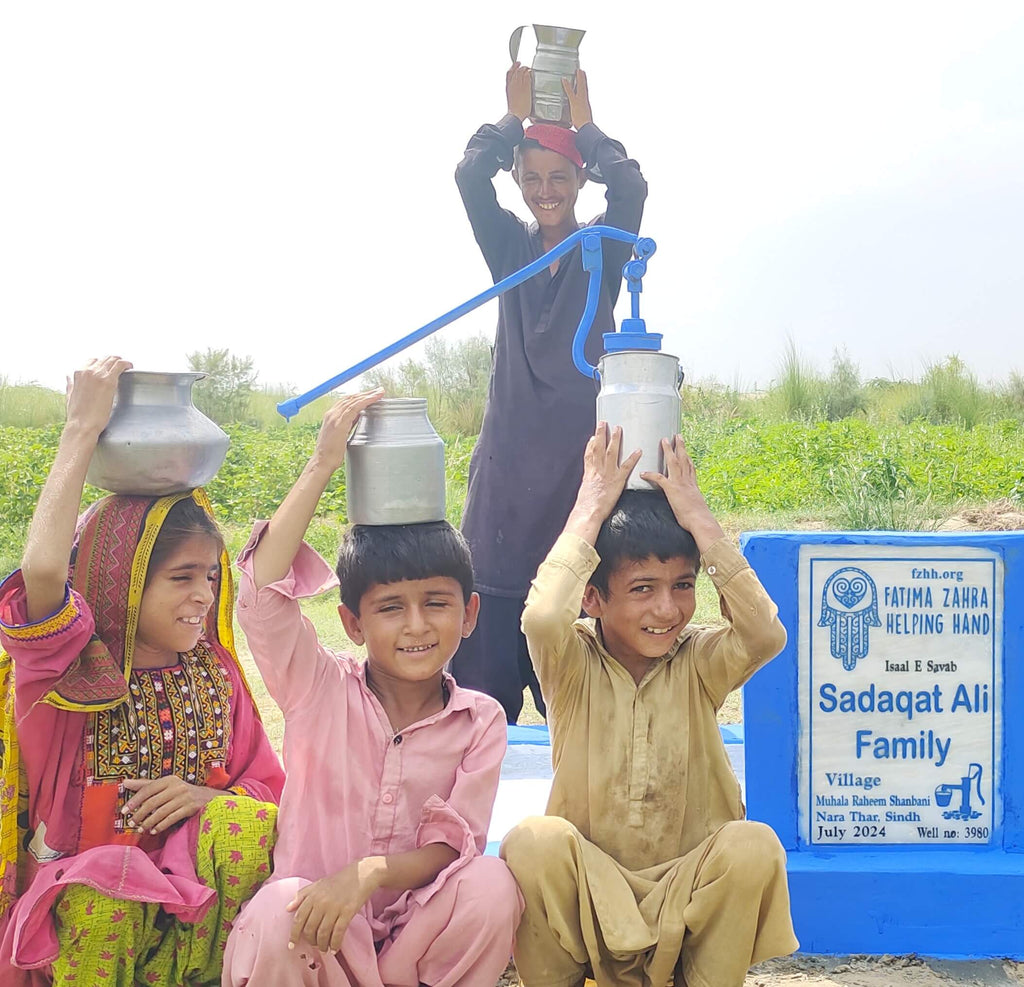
x,y
633,334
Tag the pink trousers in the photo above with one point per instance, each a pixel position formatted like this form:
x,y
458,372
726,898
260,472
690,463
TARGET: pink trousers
x,y
461,936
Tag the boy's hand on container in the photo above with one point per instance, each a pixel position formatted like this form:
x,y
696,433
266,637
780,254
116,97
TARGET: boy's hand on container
x,y
338,423
519,91
159,803
91,393
679,483
579,100
324,909
603,482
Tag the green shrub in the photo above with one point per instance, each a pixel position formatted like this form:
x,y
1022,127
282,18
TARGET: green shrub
x,y
798,392
29,405
877,493
949,394
844,395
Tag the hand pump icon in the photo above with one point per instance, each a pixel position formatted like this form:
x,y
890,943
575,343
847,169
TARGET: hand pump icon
x,y
944,794
639,385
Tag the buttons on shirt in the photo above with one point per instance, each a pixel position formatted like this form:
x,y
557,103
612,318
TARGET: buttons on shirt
x,y
397,740
712,570
387,798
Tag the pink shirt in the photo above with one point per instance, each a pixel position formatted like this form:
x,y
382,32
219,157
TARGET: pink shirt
x,y
355,788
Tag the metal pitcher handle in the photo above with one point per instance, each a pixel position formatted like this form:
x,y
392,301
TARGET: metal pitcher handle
x,y
514,41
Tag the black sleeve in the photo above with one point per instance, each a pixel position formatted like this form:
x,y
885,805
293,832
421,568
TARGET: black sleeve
x,y
489,150
625,192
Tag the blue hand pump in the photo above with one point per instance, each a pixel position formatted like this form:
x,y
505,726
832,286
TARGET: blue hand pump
x,y
632,335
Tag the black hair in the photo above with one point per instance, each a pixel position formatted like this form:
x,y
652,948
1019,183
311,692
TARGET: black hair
x,y
184,520
529,144
640,525
370,555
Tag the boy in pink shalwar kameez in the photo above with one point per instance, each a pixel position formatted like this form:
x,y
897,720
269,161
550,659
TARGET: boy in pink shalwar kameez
x,y
391,768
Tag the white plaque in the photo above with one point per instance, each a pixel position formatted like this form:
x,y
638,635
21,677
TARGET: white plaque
x,y
900,690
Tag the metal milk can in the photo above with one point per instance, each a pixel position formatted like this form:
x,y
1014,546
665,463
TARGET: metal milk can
x,y
157,442
557,58
394,465
640,392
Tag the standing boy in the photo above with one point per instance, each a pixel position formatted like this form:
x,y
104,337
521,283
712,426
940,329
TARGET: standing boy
x,y
540,408
643,869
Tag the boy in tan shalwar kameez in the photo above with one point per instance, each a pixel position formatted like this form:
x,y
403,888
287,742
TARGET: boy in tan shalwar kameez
x,y
644,871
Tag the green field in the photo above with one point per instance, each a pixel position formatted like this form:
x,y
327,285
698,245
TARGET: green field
x,y
814,450
844,474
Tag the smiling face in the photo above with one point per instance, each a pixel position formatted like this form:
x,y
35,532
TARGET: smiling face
x,y
179,592
647,605
411,628
550,185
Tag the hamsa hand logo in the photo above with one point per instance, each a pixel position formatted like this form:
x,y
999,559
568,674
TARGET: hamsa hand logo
x,y
849,605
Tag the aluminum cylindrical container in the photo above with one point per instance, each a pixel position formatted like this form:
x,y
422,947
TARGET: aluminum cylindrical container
x,y
157,441
394,465
557,58
640,392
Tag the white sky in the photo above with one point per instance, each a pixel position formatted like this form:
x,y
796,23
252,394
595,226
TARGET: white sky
x,y
278,178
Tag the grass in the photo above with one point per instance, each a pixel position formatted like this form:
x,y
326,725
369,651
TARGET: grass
x,y
825,450
29,405
454,379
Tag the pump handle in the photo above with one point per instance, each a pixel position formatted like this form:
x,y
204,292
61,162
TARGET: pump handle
x,y
593,234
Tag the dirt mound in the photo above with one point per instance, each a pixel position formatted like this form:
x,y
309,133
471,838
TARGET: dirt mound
x,y
1000,515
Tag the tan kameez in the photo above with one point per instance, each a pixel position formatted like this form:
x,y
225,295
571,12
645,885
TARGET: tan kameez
x,y
648,874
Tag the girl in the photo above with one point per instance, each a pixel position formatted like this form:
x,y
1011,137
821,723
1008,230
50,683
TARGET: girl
x,y
145,813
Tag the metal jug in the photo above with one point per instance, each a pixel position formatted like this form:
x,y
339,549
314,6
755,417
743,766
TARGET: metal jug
x,y
640,392
157,442
557,58
394,465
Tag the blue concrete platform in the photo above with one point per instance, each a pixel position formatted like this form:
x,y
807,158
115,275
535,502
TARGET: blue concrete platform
x,y
949,901
933,902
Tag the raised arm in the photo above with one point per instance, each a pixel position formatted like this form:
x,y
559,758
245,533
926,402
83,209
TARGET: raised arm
x,y
490,150
51,534
280,542
679,482
602,485
625,187
725,656
556,595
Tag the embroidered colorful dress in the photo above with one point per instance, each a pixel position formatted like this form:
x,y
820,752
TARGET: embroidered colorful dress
x,y
85,898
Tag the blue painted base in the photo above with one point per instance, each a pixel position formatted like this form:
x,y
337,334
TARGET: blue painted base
x,y
958,903
934,903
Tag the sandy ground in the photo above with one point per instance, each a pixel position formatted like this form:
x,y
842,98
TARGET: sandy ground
x,y
867,971
884,971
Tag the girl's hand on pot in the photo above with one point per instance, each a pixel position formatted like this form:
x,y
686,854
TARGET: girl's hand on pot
x,y
91,393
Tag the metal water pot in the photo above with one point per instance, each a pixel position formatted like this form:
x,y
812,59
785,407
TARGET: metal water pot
x,y
157,442
640,392
557,58
394,465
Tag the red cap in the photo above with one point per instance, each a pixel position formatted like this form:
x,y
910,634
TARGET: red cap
x,y
557,139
